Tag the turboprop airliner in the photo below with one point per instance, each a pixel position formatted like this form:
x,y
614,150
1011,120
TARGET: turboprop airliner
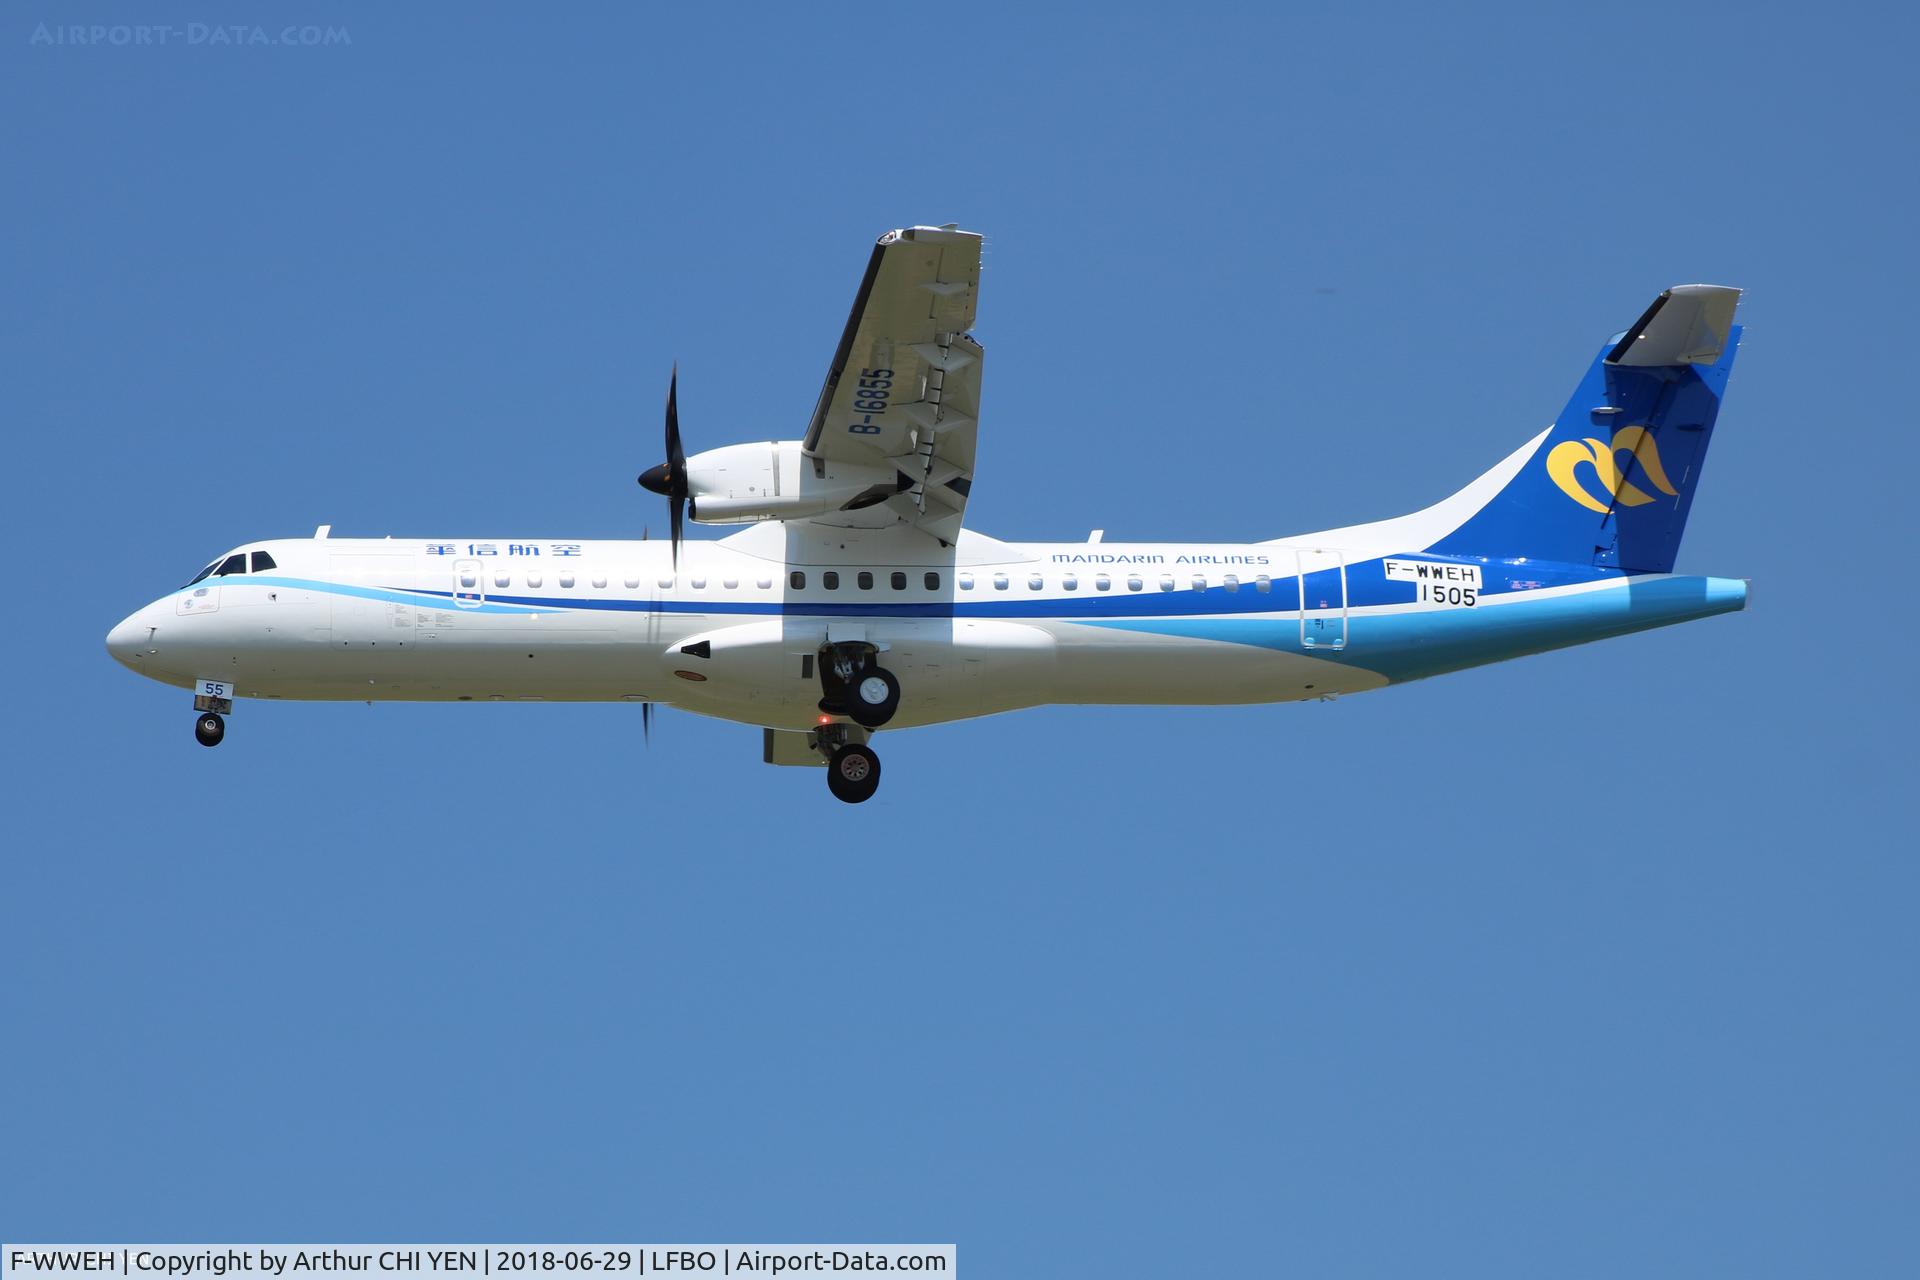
x,y
854,599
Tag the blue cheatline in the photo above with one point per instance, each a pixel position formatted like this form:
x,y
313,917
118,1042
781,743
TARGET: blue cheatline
x,y
1367,585
1402,645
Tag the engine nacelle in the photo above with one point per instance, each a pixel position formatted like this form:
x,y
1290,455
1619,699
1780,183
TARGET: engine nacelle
x,y
747,483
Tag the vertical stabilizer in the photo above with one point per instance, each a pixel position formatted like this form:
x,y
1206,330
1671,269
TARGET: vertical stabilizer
x,y
1611,484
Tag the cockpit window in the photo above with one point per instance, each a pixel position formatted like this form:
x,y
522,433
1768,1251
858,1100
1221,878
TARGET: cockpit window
x,y
204,572
232,564
263,562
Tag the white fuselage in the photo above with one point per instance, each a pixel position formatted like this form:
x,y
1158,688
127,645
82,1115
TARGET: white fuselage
x,y
970,631
738,628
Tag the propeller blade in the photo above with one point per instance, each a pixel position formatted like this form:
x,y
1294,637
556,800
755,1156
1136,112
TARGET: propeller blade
x,y
676,456
676,460
646,722
679,510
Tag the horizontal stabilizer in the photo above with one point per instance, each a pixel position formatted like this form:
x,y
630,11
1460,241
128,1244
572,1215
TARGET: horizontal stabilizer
x,y
1688,324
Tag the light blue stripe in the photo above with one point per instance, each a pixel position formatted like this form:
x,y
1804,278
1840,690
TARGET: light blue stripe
x,y
436,599
1415,643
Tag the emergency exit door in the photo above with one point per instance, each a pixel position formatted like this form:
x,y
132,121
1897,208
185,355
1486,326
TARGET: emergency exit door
x,y
469,584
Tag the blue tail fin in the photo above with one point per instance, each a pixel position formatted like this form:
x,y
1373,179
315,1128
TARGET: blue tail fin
x,y
1611,483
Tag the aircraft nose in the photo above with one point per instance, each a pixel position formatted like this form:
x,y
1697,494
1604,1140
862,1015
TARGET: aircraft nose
x,y
127,640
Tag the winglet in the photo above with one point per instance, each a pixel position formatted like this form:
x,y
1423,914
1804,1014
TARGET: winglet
x,y
1688,324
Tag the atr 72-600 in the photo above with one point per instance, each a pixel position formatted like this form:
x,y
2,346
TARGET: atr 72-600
x,y
854,600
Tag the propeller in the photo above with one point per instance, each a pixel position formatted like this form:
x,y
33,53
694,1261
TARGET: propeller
x,y
669,479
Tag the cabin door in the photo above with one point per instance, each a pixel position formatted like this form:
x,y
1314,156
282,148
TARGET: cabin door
x,y
1323,599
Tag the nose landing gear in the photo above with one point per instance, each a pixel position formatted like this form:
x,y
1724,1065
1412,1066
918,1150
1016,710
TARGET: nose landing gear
x,y
213,699
209,729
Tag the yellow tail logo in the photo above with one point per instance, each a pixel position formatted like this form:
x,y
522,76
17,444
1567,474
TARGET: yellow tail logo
x,y
1566,458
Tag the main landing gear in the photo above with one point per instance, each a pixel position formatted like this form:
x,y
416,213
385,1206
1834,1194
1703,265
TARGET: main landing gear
x,y
853,767
854,684
853,773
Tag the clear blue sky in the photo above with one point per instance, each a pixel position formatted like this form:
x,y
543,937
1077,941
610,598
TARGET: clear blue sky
x,y
1593,964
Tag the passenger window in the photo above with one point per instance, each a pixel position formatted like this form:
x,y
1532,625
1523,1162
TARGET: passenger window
x,y
966,582
1166,582
1263,583
898,581
499,579
830,580
1133,582
1231,582
1101,582
1199,583
566,580
469,579
731,584
633,582
1035,582
534,579
666,584
797,580
933,581
866,580
999,582
765,584
1070,582
698,584
232,565
263,562
599,580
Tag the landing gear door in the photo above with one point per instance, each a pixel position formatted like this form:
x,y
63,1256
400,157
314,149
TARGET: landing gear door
x,y
1323,599
469,584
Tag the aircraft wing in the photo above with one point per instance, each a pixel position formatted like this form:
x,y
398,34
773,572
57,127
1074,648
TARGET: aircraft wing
x,y
904,386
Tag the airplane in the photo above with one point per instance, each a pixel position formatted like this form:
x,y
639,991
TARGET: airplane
x,y
854,599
